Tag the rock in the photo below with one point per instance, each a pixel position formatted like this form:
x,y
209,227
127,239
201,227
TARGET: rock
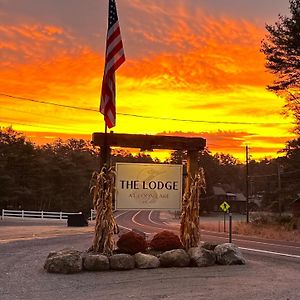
x,y
131,243
146,261
121,262
153,252
64,261
175,258
95,262
201,257
64,251
229,254
165,240
209,246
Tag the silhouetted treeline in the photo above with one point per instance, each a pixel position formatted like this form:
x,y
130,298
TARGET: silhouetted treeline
x,y
56,176
51,177
273,183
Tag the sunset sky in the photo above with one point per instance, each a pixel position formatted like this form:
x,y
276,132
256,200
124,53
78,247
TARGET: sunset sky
x,y
195,61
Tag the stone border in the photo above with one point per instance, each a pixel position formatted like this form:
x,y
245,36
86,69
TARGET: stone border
x,y
68,261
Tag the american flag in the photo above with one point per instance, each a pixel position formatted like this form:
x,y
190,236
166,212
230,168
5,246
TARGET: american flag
x,y
113,59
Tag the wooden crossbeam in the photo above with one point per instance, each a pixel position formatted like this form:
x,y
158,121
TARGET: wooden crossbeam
x,y
148,142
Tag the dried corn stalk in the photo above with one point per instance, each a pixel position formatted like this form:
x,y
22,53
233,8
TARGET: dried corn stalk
x,y
189,227
102,188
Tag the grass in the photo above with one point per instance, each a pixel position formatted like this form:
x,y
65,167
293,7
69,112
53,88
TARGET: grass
x,y
268,231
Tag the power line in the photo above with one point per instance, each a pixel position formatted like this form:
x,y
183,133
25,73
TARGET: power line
x,y
10,122
145,116
290,172
35,114
200,121
262,176
273,175
48,102
225,146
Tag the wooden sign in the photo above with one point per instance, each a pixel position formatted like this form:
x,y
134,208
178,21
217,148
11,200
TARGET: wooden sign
x,y
148,186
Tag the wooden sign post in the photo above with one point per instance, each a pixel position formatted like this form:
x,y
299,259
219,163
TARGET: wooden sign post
x,y
190,212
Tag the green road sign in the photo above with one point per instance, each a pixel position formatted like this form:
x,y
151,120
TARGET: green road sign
x,y
225,206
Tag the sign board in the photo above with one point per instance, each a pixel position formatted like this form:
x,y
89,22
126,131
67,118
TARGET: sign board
x,y
225,206
148,186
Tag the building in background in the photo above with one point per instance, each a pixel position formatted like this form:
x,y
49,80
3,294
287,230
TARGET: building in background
x,y
221,193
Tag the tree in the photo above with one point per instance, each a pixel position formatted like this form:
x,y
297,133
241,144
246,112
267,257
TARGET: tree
x,y
17,169
292,150
51,177
282,50
68,168
226,159
290,176
177,157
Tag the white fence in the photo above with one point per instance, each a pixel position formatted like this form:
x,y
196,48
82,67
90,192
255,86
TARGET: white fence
x,y
36,214
93,215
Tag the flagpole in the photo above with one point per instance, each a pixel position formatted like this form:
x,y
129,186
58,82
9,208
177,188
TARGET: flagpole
x,y
114,58
105,146
104,149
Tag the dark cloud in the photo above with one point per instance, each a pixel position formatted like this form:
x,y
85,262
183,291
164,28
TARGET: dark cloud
x,y
144,24
265,10
85,20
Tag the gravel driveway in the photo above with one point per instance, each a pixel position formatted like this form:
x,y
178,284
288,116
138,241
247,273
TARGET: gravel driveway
x,y
22,276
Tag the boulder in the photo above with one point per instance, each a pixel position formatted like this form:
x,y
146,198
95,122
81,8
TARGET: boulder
x,y
201,257
229,254
66,261
153,252
121,262
95,262
146,261
131,243
175,258
209,246
165,241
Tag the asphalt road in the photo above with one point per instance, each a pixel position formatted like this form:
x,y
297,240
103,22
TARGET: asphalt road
x,y
265,276
151,222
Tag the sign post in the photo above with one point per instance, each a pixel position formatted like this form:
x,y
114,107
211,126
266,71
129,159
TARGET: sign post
x,y
225,207
230,227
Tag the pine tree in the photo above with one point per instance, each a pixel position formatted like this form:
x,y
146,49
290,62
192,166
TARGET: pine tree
x,y
281,47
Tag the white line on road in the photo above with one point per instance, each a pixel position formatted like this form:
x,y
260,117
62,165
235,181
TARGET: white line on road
x,y
150,219
137,223
243,248
121,214
252,241
121,226
270,252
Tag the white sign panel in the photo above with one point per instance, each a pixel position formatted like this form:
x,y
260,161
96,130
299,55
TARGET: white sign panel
x,y
148,186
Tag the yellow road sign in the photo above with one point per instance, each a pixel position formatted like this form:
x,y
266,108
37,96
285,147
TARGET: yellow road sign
x,y
225,206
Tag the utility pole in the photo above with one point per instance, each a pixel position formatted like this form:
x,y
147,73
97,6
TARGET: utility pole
x,y
278,174
247,184
279,188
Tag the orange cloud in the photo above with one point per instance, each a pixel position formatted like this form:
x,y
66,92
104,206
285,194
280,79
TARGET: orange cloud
x,y
32,43
217,139
207,69
235,142
41,138
33,32
218,55
220,141
62,70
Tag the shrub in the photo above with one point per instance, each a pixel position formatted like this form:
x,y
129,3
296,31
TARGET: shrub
x,y
131,243
165,241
